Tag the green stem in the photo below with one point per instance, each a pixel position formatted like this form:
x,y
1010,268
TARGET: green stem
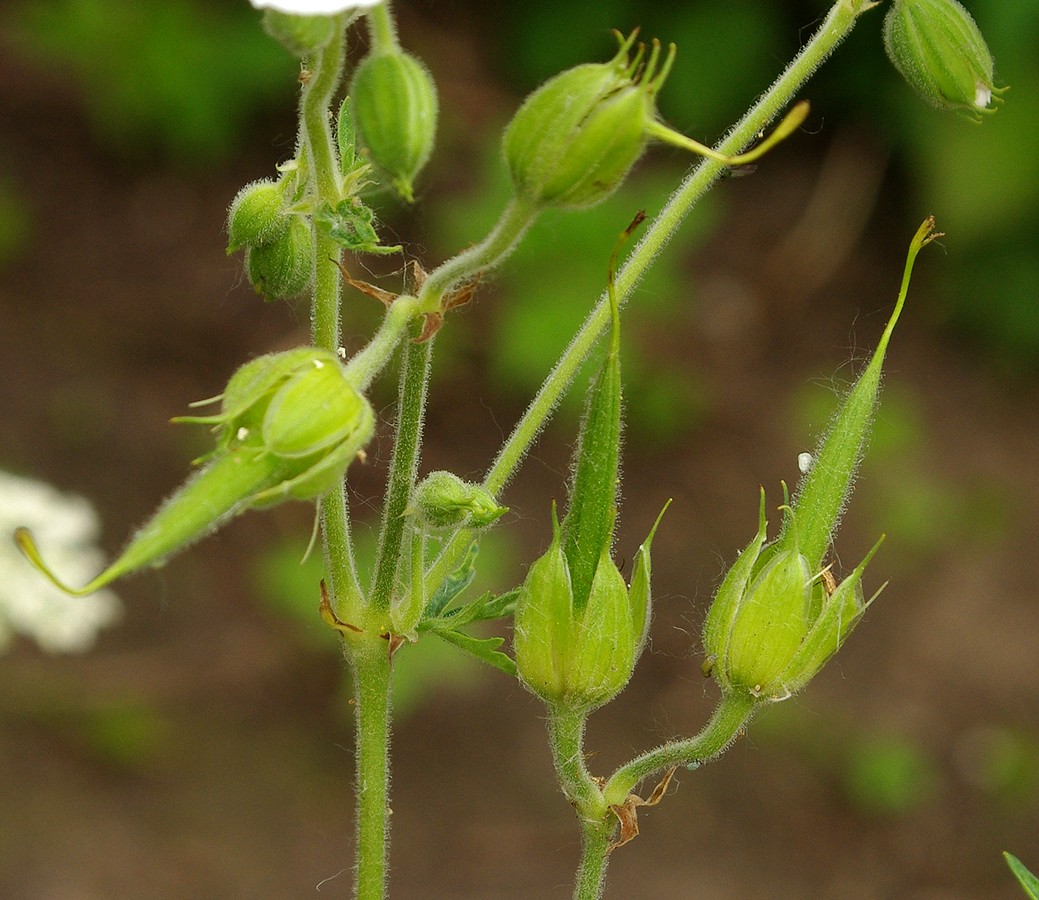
x,y
367,653
566,738
414,381
730,716
837,25
382,29
370,660
516,218
368,362
318,146
596,840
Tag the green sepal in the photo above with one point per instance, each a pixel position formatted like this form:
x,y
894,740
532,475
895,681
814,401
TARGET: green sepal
x,y
543,621
770,623
311,411
601,656
725,606
840,613
640,595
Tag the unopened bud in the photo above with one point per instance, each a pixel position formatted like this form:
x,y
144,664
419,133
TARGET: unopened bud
x,y
939,49
283,267
575,138
395,113
255,216
443,500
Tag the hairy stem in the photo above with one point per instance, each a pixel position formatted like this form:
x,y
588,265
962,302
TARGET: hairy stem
x,y
403,466
730,716
370,660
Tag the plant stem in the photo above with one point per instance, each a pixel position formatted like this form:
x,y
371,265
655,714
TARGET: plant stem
x,y
368,653
837,25
414,381
515,219
382,29
566,738
731,715
370,660
596,839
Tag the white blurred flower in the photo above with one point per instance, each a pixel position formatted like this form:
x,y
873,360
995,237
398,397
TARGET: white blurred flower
x,y
313,7
30,605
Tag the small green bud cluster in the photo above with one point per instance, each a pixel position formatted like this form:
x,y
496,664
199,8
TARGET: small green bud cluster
x,y
939,49
779,613
395,111
574,139
443,501
289,425
278,244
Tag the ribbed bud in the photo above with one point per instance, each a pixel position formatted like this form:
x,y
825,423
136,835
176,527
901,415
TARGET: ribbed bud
x,y
578,658
774,622
395,113
939,49
575,138
256,215
282,267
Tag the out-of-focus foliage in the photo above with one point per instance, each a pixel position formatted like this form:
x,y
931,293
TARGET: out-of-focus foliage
x,y
181,78
15,222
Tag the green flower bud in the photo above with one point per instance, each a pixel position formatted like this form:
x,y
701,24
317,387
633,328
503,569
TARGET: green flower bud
x,y
574,139
579,658
300,35
443,500
937,47
289,425
256,215
395,113
284,266
774,622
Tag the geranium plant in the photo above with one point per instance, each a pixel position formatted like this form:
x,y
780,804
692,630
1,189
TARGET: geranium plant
x,y
289,425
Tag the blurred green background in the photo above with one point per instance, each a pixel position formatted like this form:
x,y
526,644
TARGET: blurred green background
x,y
203,748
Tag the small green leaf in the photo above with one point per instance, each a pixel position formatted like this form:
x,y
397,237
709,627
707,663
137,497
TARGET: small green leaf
x,y
454,584
484,649
1028,881
349,224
